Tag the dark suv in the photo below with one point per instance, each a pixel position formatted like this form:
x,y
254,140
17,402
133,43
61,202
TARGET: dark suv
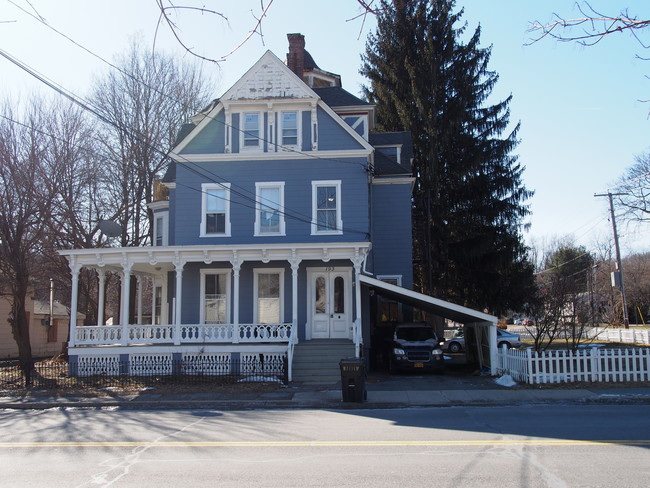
x,y
415,346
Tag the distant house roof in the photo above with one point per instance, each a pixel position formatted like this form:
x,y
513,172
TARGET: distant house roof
x,y
335,96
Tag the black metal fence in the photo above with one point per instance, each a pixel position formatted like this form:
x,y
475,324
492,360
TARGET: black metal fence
x,y
57,375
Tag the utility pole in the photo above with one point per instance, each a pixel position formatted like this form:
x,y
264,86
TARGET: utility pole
x,y
619,267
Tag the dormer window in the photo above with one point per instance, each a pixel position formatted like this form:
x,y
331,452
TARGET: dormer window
x,y
289,129
251,139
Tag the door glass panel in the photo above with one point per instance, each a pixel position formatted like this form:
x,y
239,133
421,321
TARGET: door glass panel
x,y
339,295
320,295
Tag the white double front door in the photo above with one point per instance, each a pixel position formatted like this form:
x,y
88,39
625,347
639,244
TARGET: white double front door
x,y
330,302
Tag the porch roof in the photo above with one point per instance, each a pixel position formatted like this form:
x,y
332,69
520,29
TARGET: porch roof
x,y
439,307
158,259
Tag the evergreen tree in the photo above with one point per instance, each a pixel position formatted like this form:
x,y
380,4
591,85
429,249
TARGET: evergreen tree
x,y
469,200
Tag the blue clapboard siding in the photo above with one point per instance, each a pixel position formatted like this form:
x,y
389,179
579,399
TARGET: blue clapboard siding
x,y
297,176
211,139
391,232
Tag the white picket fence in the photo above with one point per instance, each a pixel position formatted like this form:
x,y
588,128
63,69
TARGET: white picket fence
x,y
588,365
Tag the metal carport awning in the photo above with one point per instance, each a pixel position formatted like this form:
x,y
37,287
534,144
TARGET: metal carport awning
x,y
448,310
444,309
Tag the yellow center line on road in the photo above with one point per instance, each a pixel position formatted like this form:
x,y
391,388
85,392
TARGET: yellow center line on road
x,y
432,443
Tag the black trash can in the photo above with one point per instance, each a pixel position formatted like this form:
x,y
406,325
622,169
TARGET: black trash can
x,y
353,380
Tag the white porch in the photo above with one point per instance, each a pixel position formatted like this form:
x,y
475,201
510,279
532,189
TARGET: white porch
x,y
157,263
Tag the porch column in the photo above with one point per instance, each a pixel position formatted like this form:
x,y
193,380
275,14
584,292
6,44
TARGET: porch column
x,y
236,268
74,299
139,298
492,341
124,308
153,302
178,266
357,261
294,261
101,277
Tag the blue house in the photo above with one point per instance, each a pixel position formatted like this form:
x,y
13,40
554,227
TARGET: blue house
x,y
285,218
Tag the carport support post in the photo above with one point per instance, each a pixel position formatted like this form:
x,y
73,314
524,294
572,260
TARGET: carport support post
x,y
492,328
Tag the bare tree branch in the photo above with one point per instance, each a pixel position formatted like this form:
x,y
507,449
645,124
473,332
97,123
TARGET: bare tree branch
x,y
594,26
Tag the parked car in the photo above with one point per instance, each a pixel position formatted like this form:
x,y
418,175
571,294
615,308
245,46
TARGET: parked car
x,y
508,339
415,346
457,343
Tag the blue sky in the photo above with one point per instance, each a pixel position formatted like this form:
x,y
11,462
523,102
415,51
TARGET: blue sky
x,y
582,121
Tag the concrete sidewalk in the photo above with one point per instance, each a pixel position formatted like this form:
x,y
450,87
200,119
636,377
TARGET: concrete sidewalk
x,y
329,396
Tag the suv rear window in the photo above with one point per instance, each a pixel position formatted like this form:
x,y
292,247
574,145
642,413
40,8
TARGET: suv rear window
x,y
414,334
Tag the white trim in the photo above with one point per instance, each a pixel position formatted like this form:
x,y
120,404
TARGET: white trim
x,y
258,207
298,155
397,278
256,273
205,187
242,131
215,271
314,210
387,180
164,216
159,204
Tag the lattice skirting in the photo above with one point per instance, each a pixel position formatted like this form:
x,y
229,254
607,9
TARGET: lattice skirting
x,y
155,364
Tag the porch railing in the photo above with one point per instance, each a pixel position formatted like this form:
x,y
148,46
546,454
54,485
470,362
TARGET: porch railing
x,y
189,334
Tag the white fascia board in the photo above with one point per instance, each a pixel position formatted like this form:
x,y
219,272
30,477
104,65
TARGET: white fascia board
x,y
154,259
159,205
267,156
398,180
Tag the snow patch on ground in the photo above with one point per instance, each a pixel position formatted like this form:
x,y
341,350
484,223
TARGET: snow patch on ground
x,y
259,379
505,380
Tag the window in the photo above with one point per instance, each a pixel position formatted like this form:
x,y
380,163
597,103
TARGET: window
x,y
251,134
160,229
269,288
326,207
269,219
290,125
215,290
215,219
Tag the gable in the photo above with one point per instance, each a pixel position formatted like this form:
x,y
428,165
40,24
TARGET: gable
x,y
268,79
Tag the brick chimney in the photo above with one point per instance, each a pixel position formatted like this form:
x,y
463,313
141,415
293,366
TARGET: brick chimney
x,y
296,54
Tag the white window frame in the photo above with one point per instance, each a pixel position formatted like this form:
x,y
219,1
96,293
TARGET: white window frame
x,y
297,145
258,208
256,273
242,132
314,207
215,271
164,217
205,187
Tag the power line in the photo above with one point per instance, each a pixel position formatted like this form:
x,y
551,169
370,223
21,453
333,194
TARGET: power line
x,y
190,166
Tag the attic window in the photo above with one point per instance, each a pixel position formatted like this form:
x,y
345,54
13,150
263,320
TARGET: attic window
x,y
290,126
251,139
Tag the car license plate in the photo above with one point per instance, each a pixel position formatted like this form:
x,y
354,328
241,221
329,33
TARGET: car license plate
x,y
419,365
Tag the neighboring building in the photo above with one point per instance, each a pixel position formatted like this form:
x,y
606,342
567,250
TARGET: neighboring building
x,y
48,337
284,214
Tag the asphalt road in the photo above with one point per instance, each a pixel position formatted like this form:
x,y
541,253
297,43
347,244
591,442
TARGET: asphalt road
x,y
527,446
